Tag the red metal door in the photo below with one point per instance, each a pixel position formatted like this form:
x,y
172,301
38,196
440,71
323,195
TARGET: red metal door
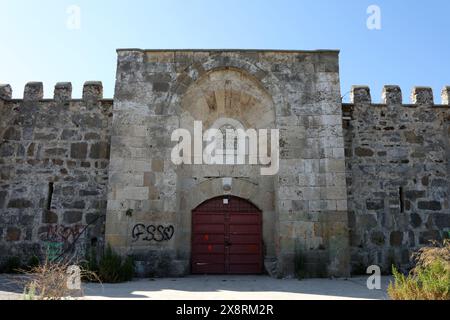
x,y
227,237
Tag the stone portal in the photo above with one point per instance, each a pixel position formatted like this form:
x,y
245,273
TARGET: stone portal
x,y
304,206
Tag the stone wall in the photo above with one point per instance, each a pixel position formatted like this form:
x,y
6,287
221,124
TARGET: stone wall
x,y
54,171
398,174
358,184
304,205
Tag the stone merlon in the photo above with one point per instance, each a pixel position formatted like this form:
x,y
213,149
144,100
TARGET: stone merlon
x,y
422,96
5,92
392,95
34,91
445,95
360,94
93,90
63,91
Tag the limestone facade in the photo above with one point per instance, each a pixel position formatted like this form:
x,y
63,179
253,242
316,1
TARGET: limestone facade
x,y
358,184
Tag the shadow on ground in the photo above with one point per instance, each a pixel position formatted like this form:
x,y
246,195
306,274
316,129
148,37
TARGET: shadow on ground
x,y
12,286
218,288
238,288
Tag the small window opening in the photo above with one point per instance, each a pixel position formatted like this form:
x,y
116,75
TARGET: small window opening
x,y
50,195
402,199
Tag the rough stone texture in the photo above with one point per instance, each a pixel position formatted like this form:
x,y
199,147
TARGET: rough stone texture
x,y
47,192
34,91
5,92
422,96
392,95
63,91
304,206
445,94
92,91
359,184
397,174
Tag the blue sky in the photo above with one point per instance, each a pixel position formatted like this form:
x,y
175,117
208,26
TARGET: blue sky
x,y
412,47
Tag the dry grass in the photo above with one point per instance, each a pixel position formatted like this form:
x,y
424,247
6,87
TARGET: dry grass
x,y
428,255
429,280
49,281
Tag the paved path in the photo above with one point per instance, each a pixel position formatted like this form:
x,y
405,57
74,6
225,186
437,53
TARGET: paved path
x,y
220,288
238,288
11,287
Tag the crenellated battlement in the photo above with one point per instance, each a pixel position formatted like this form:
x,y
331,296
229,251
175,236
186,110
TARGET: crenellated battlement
x,y
392,95
34,91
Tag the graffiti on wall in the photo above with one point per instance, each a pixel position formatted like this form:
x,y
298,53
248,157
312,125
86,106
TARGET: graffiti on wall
x,y
61,233
53,250
58,240
152,233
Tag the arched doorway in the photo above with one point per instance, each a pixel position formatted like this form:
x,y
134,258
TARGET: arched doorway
x,y
227,237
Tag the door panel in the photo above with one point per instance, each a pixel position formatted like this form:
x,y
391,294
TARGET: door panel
x,y
227,237
209,228
245,238
244,269
244,219
208,238
244,229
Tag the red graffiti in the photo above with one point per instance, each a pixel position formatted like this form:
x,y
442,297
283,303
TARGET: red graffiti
x,y
60,233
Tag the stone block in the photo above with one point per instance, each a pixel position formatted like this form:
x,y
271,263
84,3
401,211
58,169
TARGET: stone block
x,y
49,217
413,195
378,238
442,220
416,220
99,150
430,235
133,193
158,165
13,234
78,150
364,152
430,205
161,86
12,134
20,203
375,204
71,217
396,238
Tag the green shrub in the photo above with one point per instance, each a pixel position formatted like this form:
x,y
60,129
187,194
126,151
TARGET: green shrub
x,y
90,264
127,269
12,265
113,269
299,262
91,258
29,292
429,280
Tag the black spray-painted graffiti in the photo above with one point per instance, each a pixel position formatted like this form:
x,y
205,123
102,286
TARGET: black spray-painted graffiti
x,y
63,241
58,240
152,233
